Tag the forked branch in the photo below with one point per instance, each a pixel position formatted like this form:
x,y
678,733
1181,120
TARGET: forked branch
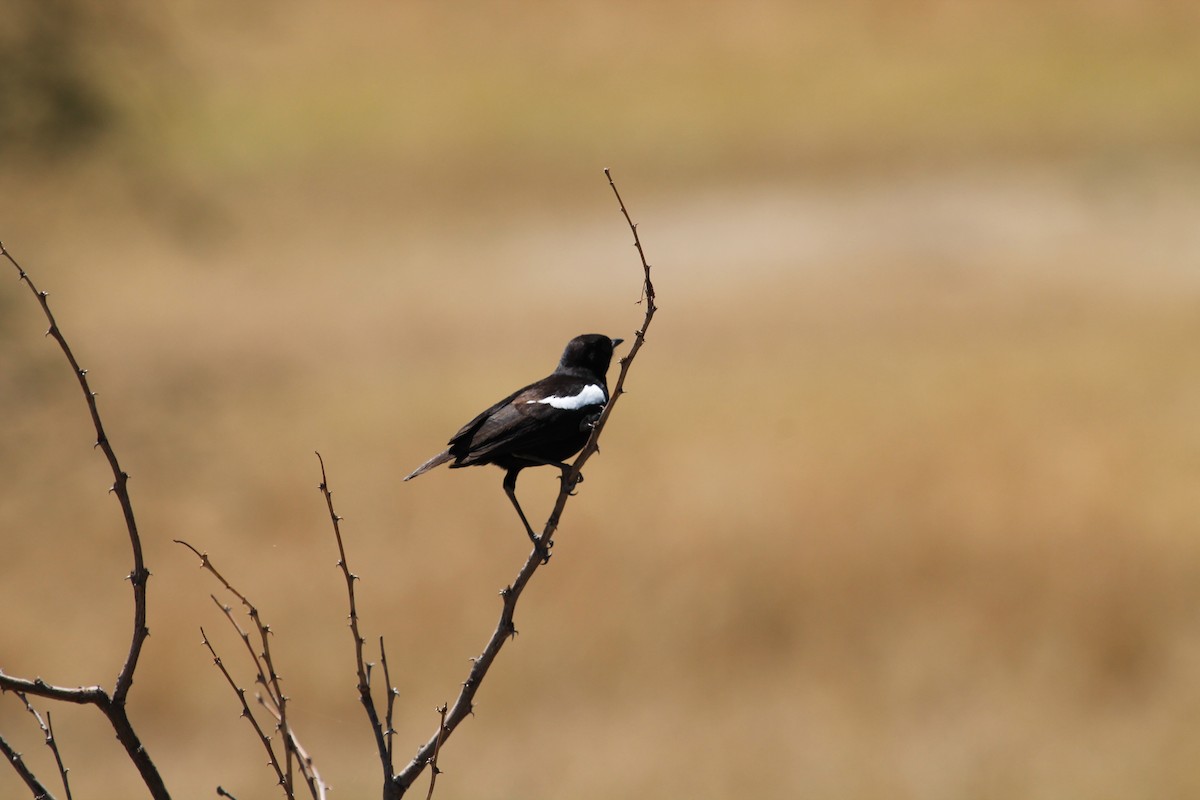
x,y
112,706
46,726
273,699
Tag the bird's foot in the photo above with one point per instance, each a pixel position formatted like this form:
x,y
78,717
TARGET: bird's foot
x,y
567,484
543,549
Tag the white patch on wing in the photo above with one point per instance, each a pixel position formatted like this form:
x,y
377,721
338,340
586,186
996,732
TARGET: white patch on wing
x,y
590,395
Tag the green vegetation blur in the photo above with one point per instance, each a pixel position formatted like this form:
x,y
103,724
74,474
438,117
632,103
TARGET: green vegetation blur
x,y
902,501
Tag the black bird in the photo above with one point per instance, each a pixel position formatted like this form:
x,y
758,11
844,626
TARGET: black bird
x,y
542,424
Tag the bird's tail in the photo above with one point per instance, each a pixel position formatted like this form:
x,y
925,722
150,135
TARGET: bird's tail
x,y
439,459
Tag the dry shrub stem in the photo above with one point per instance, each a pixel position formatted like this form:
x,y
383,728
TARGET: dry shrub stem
x,y
308,768
273,700
52,743
111,705
261,734
39,791
47,728
433,767
382,732
390,733
505,629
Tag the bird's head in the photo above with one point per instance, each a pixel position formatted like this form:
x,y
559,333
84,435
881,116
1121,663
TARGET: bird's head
x,y
589,353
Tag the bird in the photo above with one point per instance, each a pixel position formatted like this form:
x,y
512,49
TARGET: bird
x,y
542,424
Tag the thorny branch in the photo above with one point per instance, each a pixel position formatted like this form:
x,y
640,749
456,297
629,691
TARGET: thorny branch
x,y
112,706
464,704
40,792
437,748
268,678
308,767
382,732
47,728
390,731
261,735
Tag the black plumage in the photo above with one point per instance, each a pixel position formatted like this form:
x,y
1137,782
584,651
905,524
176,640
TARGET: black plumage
x,y
542,424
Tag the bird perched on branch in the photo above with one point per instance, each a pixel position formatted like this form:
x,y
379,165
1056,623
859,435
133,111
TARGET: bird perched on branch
x,y
542,424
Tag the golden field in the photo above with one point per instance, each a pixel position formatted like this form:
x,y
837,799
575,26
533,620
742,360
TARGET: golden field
x,y
904,497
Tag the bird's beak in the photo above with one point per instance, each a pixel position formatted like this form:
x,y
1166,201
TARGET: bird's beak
x,y
616,342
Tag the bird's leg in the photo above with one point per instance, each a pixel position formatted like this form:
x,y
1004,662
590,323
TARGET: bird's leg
x,y
510,489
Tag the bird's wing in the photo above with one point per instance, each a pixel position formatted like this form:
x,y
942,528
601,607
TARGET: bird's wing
x,y
519,421
460,442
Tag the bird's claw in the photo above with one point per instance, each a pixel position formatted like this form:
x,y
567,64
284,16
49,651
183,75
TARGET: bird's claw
x,y
568,485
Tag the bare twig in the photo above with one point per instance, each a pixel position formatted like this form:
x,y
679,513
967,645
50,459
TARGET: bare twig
x,y
273,687
390,732
437,748
308,767
112,706
382,735
464,703
40,792
84,695
241,695
266,674
52,742
639,339
47,729
256,656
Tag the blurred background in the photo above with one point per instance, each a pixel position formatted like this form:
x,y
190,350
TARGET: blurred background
x,y
902,501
